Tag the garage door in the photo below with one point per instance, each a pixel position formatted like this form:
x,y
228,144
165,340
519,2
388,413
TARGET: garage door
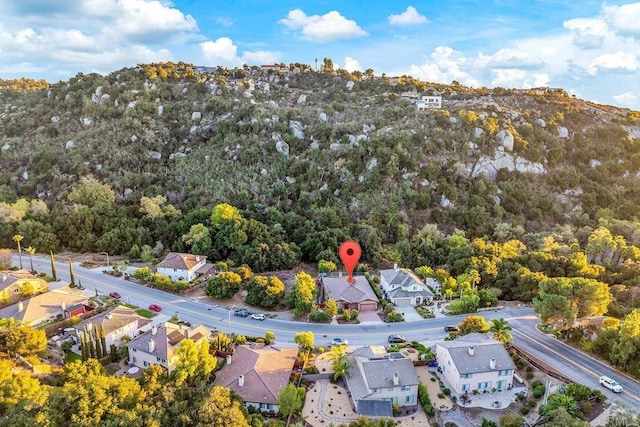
x,y
368,306
403,301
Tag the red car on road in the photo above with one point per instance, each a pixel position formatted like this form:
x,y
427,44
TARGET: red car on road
x,y
115,295
155,307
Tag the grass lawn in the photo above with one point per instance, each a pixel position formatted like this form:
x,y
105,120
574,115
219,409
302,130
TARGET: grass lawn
x,y
145,313
70,356
130,305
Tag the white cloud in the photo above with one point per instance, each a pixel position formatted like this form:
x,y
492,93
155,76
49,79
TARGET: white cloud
x,y
620,62
224,52
587,33
408,17
322,28
351,64
624,19
511,58
628,99
445,66
224,21
151,21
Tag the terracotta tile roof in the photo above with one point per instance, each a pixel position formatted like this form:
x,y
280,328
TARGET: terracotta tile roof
x,y
43,306
181,261
114,319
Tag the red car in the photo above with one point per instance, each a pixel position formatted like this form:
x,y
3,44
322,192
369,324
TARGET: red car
x,y
155,307
115,295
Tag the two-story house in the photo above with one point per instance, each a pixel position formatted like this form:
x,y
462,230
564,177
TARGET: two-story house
x,y
377,380
353,296
179,266
157,345
475,362
117,323
428,102
257,373
19,284
402,287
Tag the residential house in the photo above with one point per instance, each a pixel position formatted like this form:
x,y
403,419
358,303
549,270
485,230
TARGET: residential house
x,y
157,346
353,296
187,267
429,102
377,380
47,307
118,322
475,362
402,287
258,373
19,284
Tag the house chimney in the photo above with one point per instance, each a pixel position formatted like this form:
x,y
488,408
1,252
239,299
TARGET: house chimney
x,y
109,315
20,307
240,380
4,277
228,359
396,380
492,363
395,266
186,333
472,351
63,305
89,327
152,346
197,258
154,330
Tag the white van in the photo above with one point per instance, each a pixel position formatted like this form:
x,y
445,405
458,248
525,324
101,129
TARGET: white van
x,y
610,384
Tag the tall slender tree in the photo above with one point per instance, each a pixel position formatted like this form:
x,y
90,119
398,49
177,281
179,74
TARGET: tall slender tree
x,y
72,279
103,340
53,266
31,251
18,238
501,330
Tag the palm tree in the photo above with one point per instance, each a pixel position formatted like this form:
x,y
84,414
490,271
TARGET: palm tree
x,y
339,361
18,238
501,330
31,251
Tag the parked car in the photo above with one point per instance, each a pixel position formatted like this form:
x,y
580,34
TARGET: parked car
x,y
339,341
451,328
115,295
258,316
611,384
155,307
396,339
242,313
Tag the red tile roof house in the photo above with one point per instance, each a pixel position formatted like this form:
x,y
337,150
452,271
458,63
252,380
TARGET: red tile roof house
x,y
179,266
353,296
258,373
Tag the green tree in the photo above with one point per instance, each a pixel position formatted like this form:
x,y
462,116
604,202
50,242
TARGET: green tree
x,y
501,330
269,337
19,391
199,239
31,251
72,276
559,400
290,400
424,271
326,266
223,285
630,328
18,238
90,192
304,293
510,420
5,259
53,266
330,307
473,324
219,408
157,207
339,361
265,291
193,362
305,340
26,341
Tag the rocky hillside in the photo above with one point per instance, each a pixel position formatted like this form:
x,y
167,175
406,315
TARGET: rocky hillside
x,y
331,147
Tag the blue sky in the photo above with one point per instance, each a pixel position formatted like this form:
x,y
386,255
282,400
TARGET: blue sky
x,y
589,48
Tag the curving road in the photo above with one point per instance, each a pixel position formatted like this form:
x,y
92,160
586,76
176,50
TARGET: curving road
x,y
572,363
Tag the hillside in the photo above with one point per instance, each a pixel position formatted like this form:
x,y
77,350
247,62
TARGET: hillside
x,y
313,157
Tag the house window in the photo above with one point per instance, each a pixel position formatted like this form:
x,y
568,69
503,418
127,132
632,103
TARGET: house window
x,y
264,406
504,372
502,384
405,387
146,363
449,362
484,385
394,400
157,359
135,359
408,399
466,375
376,390
466,387
134,350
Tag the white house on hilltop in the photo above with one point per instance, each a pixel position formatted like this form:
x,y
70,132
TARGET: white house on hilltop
x,y
185,267
428,102
402,287
475,362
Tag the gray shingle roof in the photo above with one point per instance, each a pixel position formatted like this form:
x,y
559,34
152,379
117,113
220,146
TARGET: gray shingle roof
x,y
338,289
484,349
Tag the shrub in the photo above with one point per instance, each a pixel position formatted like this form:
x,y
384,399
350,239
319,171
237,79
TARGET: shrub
x,y
447,392
240,339
441,395
425,401
524,410
529,368
529,375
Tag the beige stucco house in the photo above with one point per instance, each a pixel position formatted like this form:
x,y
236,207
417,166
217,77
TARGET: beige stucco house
x,y
118,322
402,287
179,266
353,296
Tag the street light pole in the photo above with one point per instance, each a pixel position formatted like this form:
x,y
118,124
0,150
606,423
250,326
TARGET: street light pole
x,y
233,307
105,253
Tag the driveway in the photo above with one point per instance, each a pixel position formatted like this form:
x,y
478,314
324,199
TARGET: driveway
x,y
410,314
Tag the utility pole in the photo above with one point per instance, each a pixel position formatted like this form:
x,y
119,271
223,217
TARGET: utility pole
x,y
316,65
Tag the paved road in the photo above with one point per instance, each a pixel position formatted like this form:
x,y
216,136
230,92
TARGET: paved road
x,y
571,362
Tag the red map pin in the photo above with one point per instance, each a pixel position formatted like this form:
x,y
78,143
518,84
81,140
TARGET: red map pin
x,y
350,254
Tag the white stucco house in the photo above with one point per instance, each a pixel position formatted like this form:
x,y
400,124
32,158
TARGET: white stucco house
x,y
156,346
118,322
475,362
428,102
402,287
179,266
377,380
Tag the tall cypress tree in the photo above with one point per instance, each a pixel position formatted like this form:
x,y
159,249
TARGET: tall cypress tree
x,y
103,340
72,280
53,266
83,346
98,344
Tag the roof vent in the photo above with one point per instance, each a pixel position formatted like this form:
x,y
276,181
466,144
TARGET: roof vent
x,y
152,346
20,307
472,351
492,363
396,380
240,380
154,330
